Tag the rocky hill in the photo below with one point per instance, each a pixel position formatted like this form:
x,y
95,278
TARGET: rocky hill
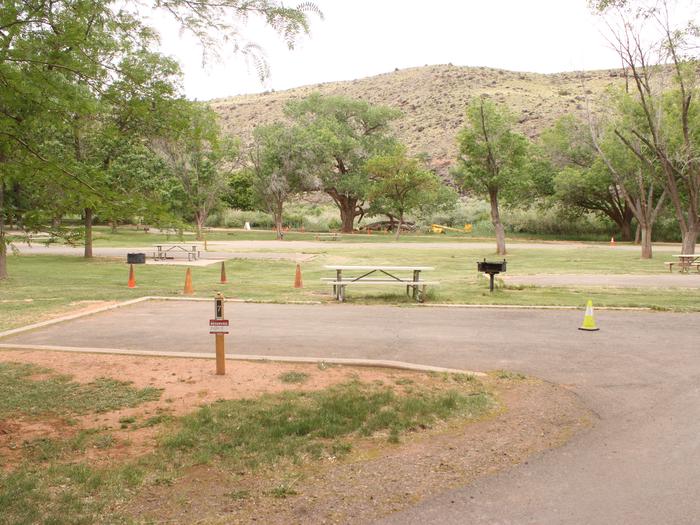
x,y
432,100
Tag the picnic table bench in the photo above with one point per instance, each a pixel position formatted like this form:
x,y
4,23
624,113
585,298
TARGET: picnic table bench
x,y
328,237
389,276
684,262
169,251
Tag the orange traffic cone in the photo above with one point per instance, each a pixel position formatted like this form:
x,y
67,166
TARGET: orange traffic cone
x,y
132,277
188,283
223,273
297,278
612,241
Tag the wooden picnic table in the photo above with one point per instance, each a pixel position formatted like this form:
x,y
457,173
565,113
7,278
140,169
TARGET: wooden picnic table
x,y
685,262
168,251
389,275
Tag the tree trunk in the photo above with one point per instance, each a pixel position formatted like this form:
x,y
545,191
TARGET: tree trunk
x,y
638,234
646,240
348,209
347,215
278,223
497,224
3,246
626,229
690,237
199,225
88,233
398,228
114,225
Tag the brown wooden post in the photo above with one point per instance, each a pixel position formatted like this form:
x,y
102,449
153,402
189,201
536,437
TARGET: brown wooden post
x,y
220,355
220,349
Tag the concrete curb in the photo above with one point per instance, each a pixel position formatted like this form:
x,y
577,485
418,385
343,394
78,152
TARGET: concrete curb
x,y
533,307
400,365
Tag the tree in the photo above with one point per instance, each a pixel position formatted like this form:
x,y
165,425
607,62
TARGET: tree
x,y
283,163
664,82
580,184
57,57
400,185
493,159
200,161
347,133
639,182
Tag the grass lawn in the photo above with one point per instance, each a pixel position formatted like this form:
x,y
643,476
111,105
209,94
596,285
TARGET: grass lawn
x,y
40,285
77,472
129,236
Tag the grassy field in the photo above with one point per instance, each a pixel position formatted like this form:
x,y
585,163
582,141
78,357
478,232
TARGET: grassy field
x,y
56,479
129,236
40,286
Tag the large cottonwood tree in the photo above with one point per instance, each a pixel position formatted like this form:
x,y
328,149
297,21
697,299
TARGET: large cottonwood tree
x,y
348,133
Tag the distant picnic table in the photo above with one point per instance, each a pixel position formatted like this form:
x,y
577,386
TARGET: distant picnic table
x,y
684,262
408,276
169,251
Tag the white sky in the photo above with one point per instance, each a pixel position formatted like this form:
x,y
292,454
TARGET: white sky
x,y
364,37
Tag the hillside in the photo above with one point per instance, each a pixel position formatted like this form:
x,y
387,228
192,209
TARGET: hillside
x,y
432,99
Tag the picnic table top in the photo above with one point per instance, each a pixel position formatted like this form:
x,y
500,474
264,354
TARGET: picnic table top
x,y
175,244
687,255
388,268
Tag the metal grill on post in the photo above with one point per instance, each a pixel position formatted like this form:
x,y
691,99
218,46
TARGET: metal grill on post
x,y
492,268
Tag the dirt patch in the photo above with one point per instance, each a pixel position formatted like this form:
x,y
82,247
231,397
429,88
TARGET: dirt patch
x,y
186,384
378,478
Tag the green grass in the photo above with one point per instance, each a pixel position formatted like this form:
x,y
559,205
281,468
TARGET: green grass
x,y
56,482
41,285
293,377
300,425
50,484
129,236
57,395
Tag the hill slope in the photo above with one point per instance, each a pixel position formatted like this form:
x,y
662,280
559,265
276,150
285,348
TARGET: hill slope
x,y
433,99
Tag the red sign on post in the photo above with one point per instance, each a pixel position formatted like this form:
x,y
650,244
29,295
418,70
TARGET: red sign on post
x,y
218,326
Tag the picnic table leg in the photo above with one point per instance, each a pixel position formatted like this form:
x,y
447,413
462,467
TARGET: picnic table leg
x,y
416,278
336,288
341,293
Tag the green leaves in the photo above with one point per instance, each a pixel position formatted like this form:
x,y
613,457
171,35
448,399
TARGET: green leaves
x,y
493,157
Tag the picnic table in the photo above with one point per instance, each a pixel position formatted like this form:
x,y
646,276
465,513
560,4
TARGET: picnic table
x,y
408,276
168,251
328,237
685,262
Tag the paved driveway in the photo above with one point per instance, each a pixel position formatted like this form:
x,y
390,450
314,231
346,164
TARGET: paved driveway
x,y
640,373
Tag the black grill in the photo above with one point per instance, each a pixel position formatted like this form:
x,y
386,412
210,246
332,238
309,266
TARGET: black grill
x,y
491,268
135,258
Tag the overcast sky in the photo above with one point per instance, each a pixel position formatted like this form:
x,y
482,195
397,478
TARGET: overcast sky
x,y
367,37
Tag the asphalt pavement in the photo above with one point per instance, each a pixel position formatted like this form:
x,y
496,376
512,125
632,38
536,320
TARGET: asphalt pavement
x,y
638,464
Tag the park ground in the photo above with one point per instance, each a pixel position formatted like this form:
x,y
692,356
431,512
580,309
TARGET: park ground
x,y
91,436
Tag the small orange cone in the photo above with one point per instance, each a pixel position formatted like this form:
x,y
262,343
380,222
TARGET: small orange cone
x,y
223,273
612,241
297,278
132,277
188,283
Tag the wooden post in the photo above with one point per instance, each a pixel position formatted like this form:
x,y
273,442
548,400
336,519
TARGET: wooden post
x,y
220,349
220,355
